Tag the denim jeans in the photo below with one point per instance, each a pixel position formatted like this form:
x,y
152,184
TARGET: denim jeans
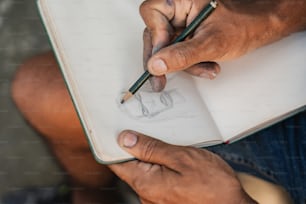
x,y
276,154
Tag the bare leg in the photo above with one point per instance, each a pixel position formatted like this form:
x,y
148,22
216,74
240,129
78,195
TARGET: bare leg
x,y
40,94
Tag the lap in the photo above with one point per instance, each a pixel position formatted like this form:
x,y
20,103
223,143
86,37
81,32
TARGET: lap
x,y
276,154
39,91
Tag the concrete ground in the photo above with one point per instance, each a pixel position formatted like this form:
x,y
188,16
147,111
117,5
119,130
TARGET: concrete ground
x,y
24,159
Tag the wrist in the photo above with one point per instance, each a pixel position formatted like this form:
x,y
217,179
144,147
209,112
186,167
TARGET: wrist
x,y
288,17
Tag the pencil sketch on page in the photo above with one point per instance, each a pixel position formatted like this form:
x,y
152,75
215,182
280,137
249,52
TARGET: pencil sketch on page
x,y
149,105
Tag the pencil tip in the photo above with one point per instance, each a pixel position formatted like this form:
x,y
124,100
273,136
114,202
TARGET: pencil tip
x,y
126,97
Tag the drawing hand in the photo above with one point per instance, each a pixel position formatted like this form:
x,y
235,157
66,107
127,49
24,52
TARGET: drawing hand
x,y
233,29
170,174
205,69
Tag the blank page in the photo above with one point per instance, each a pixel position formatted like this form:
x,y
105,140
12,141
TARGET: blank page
x,y
259,88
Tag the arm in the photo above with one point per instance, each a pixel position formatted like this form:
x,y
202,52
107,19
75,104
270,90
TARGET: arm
x,y
172,174
234,28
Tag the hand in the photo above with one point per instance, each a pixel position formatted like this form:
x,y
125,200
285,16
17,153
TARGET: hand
x,y
172,174
233,29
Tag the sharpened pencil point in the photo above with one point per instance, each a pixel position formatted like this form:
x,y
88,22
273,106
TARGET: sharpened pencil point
x,y
126,97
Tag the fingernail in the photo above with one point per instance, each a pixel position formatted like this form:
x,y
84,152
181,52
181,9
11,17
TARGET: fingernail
x,y
129,139
210,75
204,75
213,74
159,66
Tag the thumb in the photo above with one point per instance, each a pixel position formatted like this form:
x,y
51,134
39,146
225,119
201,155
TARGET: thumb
x,y
176,57
147,149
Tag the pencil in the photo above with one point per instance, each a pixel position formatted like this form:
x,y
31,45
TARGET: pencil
x,y
206,11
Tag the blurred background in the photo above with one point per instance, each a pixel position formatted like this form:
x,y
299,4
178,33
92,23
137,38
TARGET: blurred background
x,y
25,160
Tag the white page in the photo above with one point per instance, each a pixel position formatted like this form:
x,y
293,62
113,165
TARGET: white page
x,y
99,45
258,87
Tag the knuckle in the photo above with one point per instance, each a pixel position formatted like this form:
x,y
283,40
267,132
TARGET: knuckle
x,y
141,185
138,185
188,160
184,158
183,56
146,33
189,155
143,8
148,149
214,48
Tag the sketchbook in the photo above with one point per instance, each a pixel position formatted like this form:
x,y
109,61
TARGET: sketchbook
x,y
98,44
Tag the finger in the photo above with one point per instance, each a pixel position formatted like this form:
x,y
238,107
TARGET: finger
x,y
156,15
131,173
147,47
158,83
203,46
148,149
174,58
168,15
136,171
181,13
208,70
127,171
144,178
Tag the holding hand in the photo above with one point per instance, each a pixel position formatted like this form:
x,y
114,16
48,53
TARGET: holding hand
x,y
233,29
170,174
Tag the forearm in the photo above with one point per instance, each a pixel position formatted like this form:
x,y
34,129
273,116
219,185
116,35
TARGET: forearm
x,y
286,16
263,22
235,28
292,15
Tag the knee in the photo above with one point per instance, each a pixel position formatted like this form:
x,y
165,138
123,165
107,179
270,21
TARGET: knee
x,y
30,81
40,94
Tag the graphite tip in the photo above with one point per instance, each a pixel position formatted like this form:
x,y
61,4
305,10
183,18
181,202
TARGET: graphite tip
x,y
126,97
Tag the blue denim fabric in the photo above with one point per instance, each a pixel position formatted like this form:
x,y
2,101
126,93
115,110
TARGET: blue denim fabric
x,y
277,154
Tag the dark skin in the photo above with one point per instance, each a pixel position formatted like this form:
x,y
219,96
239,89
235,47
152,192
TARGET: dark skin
x,y
235,28
169,174
165,173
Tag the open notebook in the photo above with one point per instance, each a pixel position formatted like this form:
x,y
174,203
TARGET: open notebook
x,y
98,44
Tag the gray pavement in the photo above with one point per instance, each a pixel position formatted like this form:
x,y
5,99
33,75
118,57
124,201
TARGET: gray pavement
x,y
24,158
